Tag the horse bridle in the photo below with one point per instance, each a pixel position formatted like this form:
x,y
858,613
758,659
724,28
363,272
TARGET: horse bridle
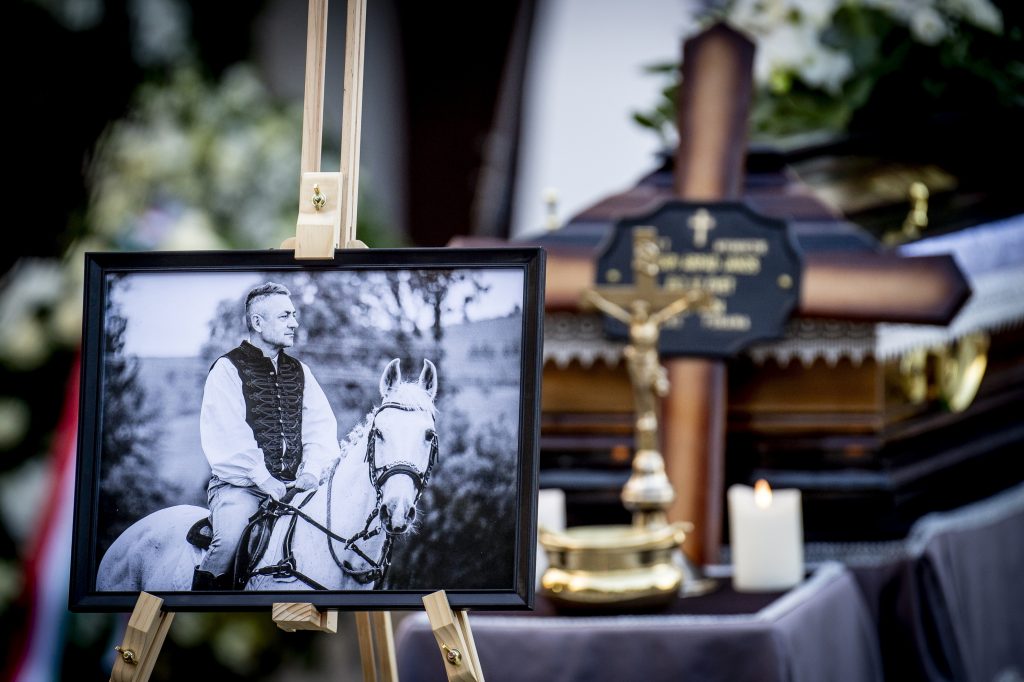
x,y
378,476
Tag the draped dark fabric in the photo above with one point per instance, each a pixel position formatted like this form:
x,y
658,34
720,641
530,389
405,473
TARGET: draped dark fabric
x,y
273,406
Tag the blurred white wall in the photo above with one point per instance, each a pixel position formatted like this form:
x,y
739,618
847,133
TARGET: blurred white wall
x,y
584,79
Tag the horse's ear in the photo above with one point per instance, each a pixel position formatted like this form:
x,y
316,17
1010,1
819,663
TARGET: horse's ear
x,y
428,378
391,377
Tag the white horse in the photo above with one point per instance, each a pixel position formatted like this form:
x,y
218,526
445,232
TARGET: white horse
x,y
369,497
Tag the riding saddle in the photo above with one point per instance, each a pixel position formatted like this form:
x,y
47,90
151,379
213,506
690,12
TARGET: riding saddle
x,y
251,546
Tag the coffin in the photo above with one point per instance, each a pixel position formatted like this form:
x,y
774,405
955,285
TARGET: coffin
x,y
878,421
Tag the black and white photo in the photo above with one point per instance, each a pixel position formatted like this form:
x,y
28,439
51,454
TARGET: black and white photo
x,y
353,434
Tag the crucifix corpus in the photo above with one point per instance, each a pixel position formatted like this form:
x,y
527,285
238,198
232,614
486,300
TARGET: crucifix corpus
x,y
645,307
709,241
750,263
738,273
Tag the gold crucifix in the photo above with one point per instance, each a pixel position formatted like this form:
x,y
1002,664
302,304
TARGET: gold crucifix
x,y
645,308
701,223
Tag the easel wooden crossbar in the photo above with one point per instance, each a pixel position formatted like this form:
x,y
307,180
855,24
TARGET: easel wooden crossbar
x,y
327,219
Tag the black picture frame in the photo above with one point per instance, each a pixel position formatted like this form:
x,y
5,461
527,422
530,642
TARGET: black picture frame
x,y
105,355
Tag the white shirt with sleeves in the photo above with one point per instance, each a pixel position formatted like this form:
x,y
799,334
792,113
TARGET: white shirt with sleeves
x,y
228,441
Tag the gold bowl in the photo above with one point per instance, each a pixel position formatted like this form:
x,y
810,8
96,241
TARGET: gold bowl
x,y
612,566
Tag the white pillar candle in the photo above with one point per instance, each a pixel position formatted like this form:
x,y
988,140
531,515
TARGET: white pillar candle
x,y
766,536
550,515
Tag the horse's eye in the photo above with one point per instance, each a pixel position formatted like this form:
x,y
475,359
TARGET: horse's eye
x,y
378,435
429,435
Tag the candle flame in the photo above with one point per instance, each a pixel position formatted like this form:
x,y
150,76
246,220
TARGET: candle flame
x,y
762,494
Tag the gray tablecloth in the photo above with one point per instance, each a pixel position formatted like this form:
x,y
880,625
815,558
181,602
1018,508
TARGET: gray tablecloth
x,y
965,591
948,601
819,631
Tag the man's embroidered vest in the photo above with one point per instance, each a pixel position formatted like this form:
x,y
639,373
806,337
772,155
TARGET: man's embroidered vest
x,y
273,406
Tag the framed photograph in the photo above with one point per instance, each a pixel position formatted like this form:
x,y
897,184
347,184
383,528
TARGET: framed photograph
x,y
354,433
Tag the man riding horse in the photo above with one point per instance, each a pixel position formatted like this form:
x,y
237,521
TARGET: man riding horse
x,y
265,425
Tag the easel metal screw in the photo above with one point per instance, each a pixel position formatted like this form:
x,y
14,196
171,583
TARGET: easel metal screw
x,y
319,198
127,655
453,656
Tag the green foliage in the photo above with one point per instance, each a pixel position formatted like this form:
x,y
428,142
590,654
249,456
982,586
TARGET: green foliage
x,y
351,324
880,68
466,532
131,432
662,118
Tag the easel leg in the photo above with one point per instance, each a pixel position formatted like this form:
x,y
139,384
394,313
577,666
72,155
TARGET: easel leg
x,y
455,639
366,646
462,615
143,639
377,646
384,645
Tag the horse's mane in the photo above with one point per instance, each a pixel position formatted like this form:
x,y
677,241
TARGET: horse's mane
x,y
408,393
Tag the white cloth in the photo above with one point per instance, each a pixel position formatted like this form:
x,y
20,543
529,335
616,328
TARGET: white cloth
x,y
228,440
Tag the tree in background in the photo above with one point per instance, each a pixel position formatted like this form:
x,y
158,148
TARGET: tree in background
x,y
465,535
131,431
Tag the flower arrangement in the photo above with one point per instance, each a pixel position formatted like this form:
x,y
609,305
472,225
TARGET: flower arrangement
x,y
194,165
197,165
821,65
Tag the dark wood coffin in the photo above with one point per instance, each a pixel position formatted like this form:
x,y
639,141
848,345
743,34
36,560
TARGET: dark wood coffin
x,y
849,410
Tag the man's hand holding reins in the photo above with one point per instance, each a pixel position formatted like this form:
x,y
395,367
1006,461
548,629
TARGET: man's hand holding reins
x,y
306,482
273,487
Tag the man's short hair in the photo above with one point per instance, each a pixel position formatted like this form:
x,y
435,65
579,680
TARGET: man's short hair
x,y
258,294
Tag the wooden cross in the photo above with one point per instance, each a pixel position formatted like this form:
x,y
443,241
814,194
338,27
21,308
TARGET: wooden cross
x,y
871,287
714,101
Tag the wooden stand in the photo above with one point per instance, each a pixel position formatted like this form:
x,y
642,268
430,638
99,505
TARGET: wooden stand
x,y
143,638
303,616
327,212
454,639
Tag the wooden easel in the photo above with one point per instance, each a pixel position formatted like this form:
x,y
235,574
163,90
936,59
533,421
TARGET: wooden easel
x,y
326,220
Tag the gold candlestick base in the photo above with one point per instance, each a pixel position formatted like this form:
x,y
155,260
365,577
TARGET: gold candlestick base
x,y
648,492
624,567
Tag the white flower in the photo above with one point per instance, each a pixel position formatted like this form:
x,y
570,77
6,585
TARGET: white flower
x,y
817,13
756,16
191,232
796,49
14,418
20,493
928,26
66,321
30,288
828,70
981,13
26,345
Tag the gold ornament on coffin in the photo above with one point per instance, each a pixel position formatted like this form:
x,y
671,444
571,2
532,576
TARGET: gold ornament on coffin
x,y
632,566
916,220
961,369
951,373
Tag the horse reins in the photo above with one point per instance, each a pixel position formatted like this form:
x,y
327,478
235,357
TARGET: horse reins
x,y
378,476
